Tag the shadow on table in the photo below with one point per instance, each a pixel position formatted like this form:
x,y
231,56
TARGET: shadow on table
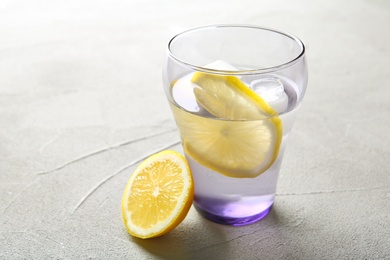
x,y
202,238
185,240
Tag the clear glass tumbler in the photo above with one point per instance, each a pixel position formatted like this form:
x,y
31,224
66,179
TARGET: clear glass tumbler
x,y
234,91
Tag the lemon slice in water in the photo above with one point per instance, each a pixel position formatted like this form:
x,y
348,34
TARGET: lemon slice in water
x,y
243,140
227,97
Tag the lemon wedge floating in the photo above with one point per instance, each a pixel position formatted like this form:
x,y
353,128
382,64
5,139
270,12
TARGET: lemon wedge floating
x,y
243,141
158,195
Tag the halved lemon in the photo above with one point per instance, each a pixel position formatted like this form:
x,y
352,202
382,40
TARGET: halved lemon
x,y
243,140
158,195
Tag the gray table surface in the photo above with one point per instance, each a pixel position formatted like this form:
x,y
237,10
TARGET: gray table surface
x,y
81,103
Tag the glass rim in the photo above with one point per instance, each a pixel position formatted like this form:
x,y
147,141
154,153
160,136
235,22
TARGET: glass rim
x,y
239,72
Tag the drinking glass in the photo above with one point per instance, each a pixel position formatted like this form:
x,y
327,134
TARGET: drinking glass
x,y
234,91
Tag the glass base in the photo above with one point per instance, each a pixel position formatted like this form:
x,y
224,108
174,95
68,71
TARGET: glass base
x,y
232,221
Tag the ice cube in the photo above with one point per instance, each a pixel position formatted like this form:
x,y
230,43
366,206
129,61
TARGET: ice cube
x,y
221,65
272,91
183,93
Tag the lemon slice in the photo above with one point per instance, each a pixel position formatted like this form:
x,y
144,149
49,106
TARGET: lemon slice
x,y
158,195
243,141
228,97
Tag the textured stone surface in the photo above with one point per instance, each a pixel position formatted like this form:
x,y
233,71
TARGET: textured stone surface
x,y
81,103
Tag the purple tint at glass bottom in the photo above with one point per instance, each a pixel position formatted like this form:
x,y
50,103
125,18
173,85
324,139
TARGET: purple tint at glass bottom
x,y
219,216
